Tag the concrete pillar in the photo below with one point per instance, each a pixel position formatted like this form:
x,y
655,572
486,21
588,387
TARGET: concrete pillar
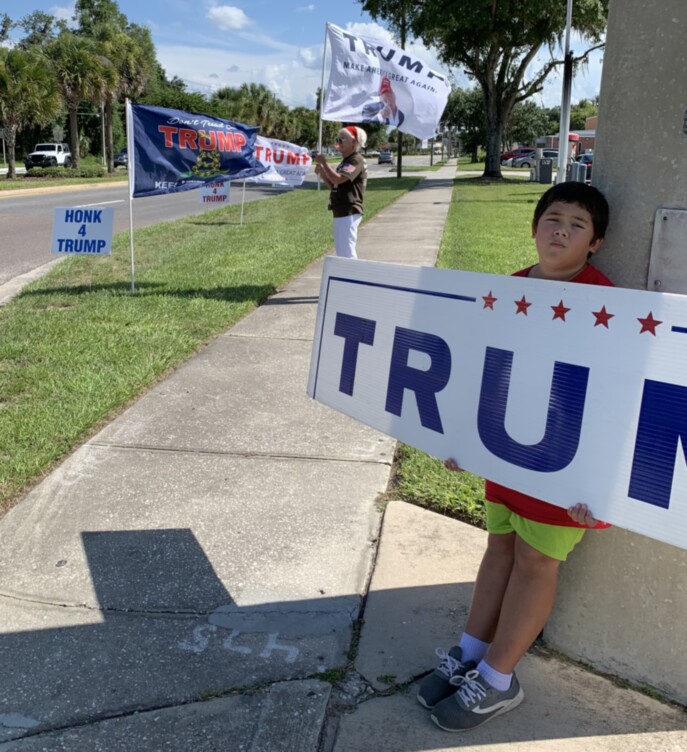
x,y
622,604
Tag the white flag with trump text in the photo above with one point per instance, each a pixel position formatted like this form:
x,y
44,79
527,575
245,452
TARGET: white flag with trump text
x,y
371,82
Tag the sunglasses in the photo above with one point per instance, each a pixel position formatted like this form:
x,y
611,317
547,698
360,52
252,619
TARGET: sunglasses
x,y
338,140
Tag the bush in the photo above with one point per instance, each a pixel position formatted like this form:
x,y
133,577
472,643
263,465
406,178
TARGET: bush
x,y
86,171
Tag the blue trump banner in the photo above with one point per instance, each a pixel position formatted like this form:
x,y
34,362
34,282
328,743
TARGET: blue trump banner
x,y
176,151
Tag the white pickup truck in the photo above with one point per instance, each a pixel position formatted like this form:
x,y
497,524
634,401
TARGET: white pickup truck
x,y
49,155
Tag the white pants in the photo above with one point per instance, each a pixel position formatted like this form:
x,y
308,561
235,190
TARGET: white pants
x,y
346,235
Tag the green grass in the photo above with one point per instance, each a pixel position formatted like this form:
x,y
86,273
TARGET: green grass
x,y
76,346
466,163
28,183
488,229
420,168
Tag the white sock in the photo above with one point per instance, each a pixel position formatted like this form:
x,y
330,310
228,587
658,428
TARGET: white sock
x,y
472,649
497,680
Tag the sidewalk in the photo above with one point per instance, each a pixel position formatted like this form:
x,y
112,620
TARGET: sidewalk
x,y
191,578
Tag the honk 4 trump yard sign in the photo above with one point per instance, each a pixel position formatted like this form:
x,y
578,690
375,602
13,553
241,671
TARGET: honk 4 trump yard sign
x,y
82,231
567,392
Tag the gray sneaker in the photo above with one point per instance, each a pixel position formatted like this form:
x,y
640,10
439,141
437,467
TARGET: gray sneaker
x,y
475,702
437,686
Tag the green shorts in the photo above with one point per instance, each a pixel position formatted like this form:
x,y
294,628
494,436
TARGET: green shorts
x,y
555,541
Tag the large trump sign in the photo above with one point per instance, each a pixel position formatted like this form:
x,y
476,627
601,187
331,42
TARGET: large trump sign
x,y
566,392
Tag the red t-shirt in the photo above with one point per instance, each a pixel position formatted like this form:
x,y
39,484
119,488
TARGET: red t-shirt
x,y
528,506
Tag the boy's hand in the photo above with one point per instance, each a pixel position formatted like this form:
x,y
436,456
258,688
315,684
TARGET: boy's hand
x,y
451,464
580,513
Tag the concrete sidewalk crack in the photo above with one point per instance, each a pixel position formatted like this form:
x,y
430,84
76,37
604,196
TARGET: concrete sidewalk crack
x,y
243,454
24,598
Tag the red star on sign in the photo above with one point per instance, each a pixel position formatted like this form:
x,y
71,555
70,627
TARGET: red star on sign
x,y
559,311
489,300
649,324
603,317
522,305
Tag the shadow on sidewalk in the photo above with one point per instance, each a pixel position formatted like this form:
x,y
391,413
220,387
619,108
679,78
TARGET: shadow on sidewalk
x,y
167,632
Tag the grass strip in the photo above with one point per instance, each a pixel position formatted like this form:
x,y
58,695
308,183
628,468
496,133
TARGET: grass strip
x,y
488,229
25,183
76,346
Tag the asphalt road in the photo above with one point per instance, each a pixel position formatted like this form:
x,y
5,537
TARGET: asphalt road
x,y
26,218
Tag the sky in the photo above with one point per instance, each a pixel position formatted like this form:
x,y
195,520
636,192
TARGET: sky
x,y
279,43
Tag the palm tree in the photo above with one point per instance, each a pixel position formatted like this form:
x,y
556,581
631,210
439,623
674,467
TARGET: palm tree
x,y
29,95
228,103
261,107
80,71
129,63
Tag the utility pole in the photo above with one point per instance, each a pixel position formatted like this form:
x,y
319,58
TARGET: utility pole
x,y
399,160
564,127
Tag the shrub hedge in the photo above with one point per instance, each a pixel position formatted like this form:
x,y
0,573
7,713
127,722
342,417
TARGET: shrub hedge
x,y
86,171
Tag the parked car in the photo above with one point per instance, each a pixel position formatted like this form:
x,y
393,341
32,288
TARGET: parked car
x,y
587,159
521,151
385,157
49,155
529,159
121,158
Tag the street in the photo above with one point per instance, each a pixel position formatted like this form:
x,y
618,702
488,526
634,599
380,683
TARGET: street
x,y
26,218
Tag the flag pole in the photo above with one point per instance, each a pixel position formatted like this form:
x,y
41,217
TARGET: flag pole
x,y
319,134
130,173
243,198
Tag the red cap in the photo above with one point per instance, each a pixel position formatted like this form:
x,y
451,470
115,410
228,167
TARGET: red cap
x,y
385,85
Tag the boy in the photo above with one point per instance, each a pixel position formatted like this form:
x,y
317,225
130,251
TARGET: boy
x,y
528,538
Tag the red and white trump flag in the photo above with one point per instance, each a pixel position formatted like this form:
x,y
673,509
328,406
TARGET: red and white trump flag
x,y
287,164
371,82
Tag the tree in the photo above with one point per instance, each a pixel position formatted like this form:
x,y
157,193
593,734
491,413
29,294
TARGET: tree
x,y
495,42
5,26
307,127
377,134
39,28
172,94
527,123
579,113
91,15
466,116
29,95
82,75
127,63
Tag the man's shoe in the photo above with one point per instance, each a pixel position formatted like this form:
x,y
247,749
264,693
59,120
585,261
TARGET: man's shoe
x,y
475,702
437,686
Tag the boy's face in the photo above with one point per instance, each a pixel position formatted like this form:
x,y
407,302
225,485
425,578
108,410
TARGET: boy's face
x,y
564,239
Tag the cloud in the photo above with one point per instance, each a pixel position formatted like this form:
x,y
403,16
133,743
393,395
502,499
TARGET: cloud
x,y
310,57
293,73
294,84
306,8
228,17
63,12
